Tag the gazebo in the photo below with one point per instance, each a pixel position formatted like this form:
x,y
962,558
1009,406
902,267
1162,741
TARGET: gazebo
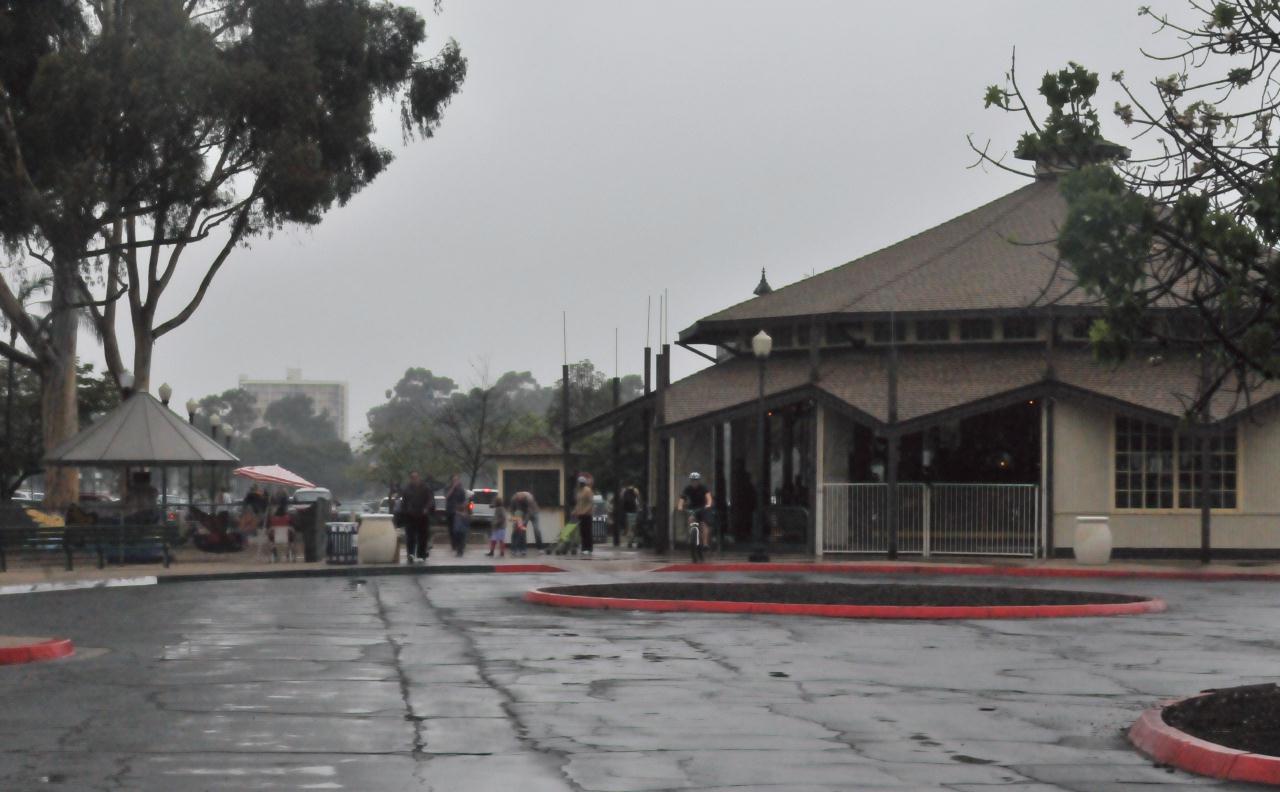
x,y
142,433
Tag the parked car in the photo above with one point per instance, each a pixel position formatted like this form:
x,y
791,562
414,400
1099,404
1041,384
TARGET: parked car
x,y
480,505
310,495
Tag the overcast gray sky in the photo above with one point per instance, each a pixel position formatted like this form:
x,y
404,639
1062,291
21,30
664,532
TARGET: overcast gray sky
x,y
603,151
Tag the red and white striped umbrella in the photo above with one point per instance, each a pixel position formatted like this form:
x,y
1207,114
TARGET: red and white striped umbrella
x,y
272,474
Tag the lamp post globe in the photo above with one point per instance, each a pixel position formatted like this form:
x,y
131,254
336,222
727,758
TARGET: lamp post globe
x,y
192,406
166,393
761,346
215,421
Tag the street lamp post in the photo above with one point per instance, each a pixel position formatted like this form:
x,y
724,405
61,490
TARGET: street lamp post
x,y
166,393
761,346
192,406
215,421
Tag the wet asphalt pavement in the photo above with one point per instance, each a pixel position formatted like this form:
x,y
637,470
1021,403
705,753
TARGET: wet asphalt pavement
x,y
454,683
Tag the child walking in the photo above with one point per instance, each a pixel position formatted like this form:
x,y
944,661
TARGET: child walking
x,y
498,533
519,534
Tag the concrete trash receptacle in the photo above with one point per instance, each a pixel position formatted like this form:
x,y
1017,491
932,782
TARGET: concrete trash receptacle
x,y
377,543
1093,540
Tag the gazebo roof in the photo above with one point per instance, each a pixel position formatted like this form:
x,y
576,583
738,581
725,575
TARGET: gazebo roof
x,y
140,431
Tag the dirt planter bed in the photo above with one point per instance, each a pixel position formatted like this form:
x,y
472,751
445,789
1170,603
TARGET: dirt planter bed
x,y
1233,733
846,600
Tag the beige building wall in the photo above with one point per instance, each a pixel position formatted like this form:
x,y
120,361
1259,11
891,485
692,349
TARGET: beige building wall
x,y
550,517
1084,449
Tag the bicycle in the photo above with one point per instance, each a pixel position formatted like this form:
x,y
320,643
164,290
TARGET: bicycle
x,y
696,551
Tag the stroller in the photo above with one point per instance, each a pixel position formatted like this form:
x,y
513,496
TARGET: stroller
x,y
568,540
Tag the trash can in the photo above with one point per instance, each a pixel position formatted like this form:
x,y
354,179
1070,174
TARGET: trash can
x,y
1093,540
311,524
341,545
378,542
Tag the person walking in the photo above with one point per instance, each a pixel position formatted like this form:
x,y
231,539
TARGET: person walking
x,y
630,512
524,503
498,531
414,511
584,511
455,512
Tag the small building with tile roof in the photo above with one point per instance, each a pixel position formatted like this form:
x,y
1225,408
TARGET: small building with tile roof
x,y
941,396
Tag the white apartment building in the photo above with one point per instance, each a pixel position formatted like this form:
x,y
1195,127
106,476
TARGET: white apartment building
x,y
330,396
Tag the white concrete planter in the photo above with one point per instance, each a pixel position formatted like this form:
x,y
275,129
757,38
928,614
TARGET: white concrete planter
x,y
1093,540
377,540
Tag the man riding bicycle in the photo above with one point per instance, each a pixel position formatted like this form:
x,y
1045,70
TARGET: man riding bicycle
x,y
696,499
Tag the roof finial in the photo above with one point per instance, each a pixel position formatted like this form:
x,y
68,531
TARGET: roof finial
x,y
763,287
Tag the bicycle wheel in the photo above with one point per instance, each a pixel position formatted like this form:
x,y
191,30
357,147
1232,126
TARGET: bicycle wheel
x,y
695,543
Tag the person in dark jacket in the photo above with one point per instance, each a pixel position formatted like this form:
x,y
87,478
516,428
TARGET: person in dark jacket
x,y
414,509
456,517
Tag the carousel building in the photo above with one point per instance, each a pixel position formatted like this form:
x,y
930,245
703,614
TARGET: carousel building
x,y
939,396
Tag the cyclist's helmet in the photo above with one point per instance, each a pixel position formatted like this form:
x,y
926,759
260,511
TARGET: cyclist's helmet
x,y
695,476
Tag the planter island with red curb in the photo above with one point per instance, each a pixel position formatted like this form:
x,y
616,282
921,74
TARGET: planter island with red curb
x,y
15,649
846,600
978,570
1233,734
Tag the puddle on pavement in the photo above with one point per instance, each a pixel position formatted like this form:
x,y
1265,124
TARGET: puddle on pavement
x,y
971,760
780,674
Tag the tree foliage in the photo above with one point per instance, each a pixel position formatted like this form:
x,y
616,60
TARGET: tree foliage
x,y
1178,242
21,440
430,425
140,136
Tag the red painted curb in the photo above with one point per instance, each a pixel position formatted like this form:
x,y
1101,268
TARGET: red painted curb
x,y
51,649
543,597
1167,745
968,569
526,568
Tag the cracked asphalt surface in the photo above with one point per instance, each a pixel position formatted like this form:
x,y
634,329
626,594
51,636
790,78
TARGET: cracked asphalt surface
x,y
439,682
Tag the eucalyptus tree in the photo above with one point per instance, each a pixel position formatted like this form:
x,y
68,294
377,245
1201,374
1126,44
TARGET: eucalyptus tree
x,y
141,136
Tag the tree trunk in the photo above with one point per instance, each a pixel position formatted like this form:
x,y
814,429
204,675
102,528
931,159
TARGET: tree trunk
x,y
59,418
143,346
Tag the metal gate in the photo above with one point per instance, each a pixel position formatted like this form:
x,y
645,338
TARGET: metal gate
x,y
933,519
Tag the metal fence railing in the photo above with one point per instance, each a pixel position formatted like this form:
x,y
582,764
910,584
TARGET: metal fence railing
x,y
941,519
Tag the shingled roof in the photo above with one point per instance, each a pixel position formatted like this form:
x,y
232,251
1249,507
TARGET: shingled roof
x,y
1000,256
934,380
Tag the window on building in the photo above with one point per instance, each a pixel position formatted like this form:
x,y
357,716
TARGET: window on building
x,y
839,334
802,336
933,330
1147,455
1080,328
880,331
783,337
544,485
1222,471
1018,327
976,330
1144,465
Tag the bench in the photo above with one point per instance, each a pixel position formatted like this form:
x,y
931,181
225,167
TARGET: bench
x,y
122,544
39,540
117,544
